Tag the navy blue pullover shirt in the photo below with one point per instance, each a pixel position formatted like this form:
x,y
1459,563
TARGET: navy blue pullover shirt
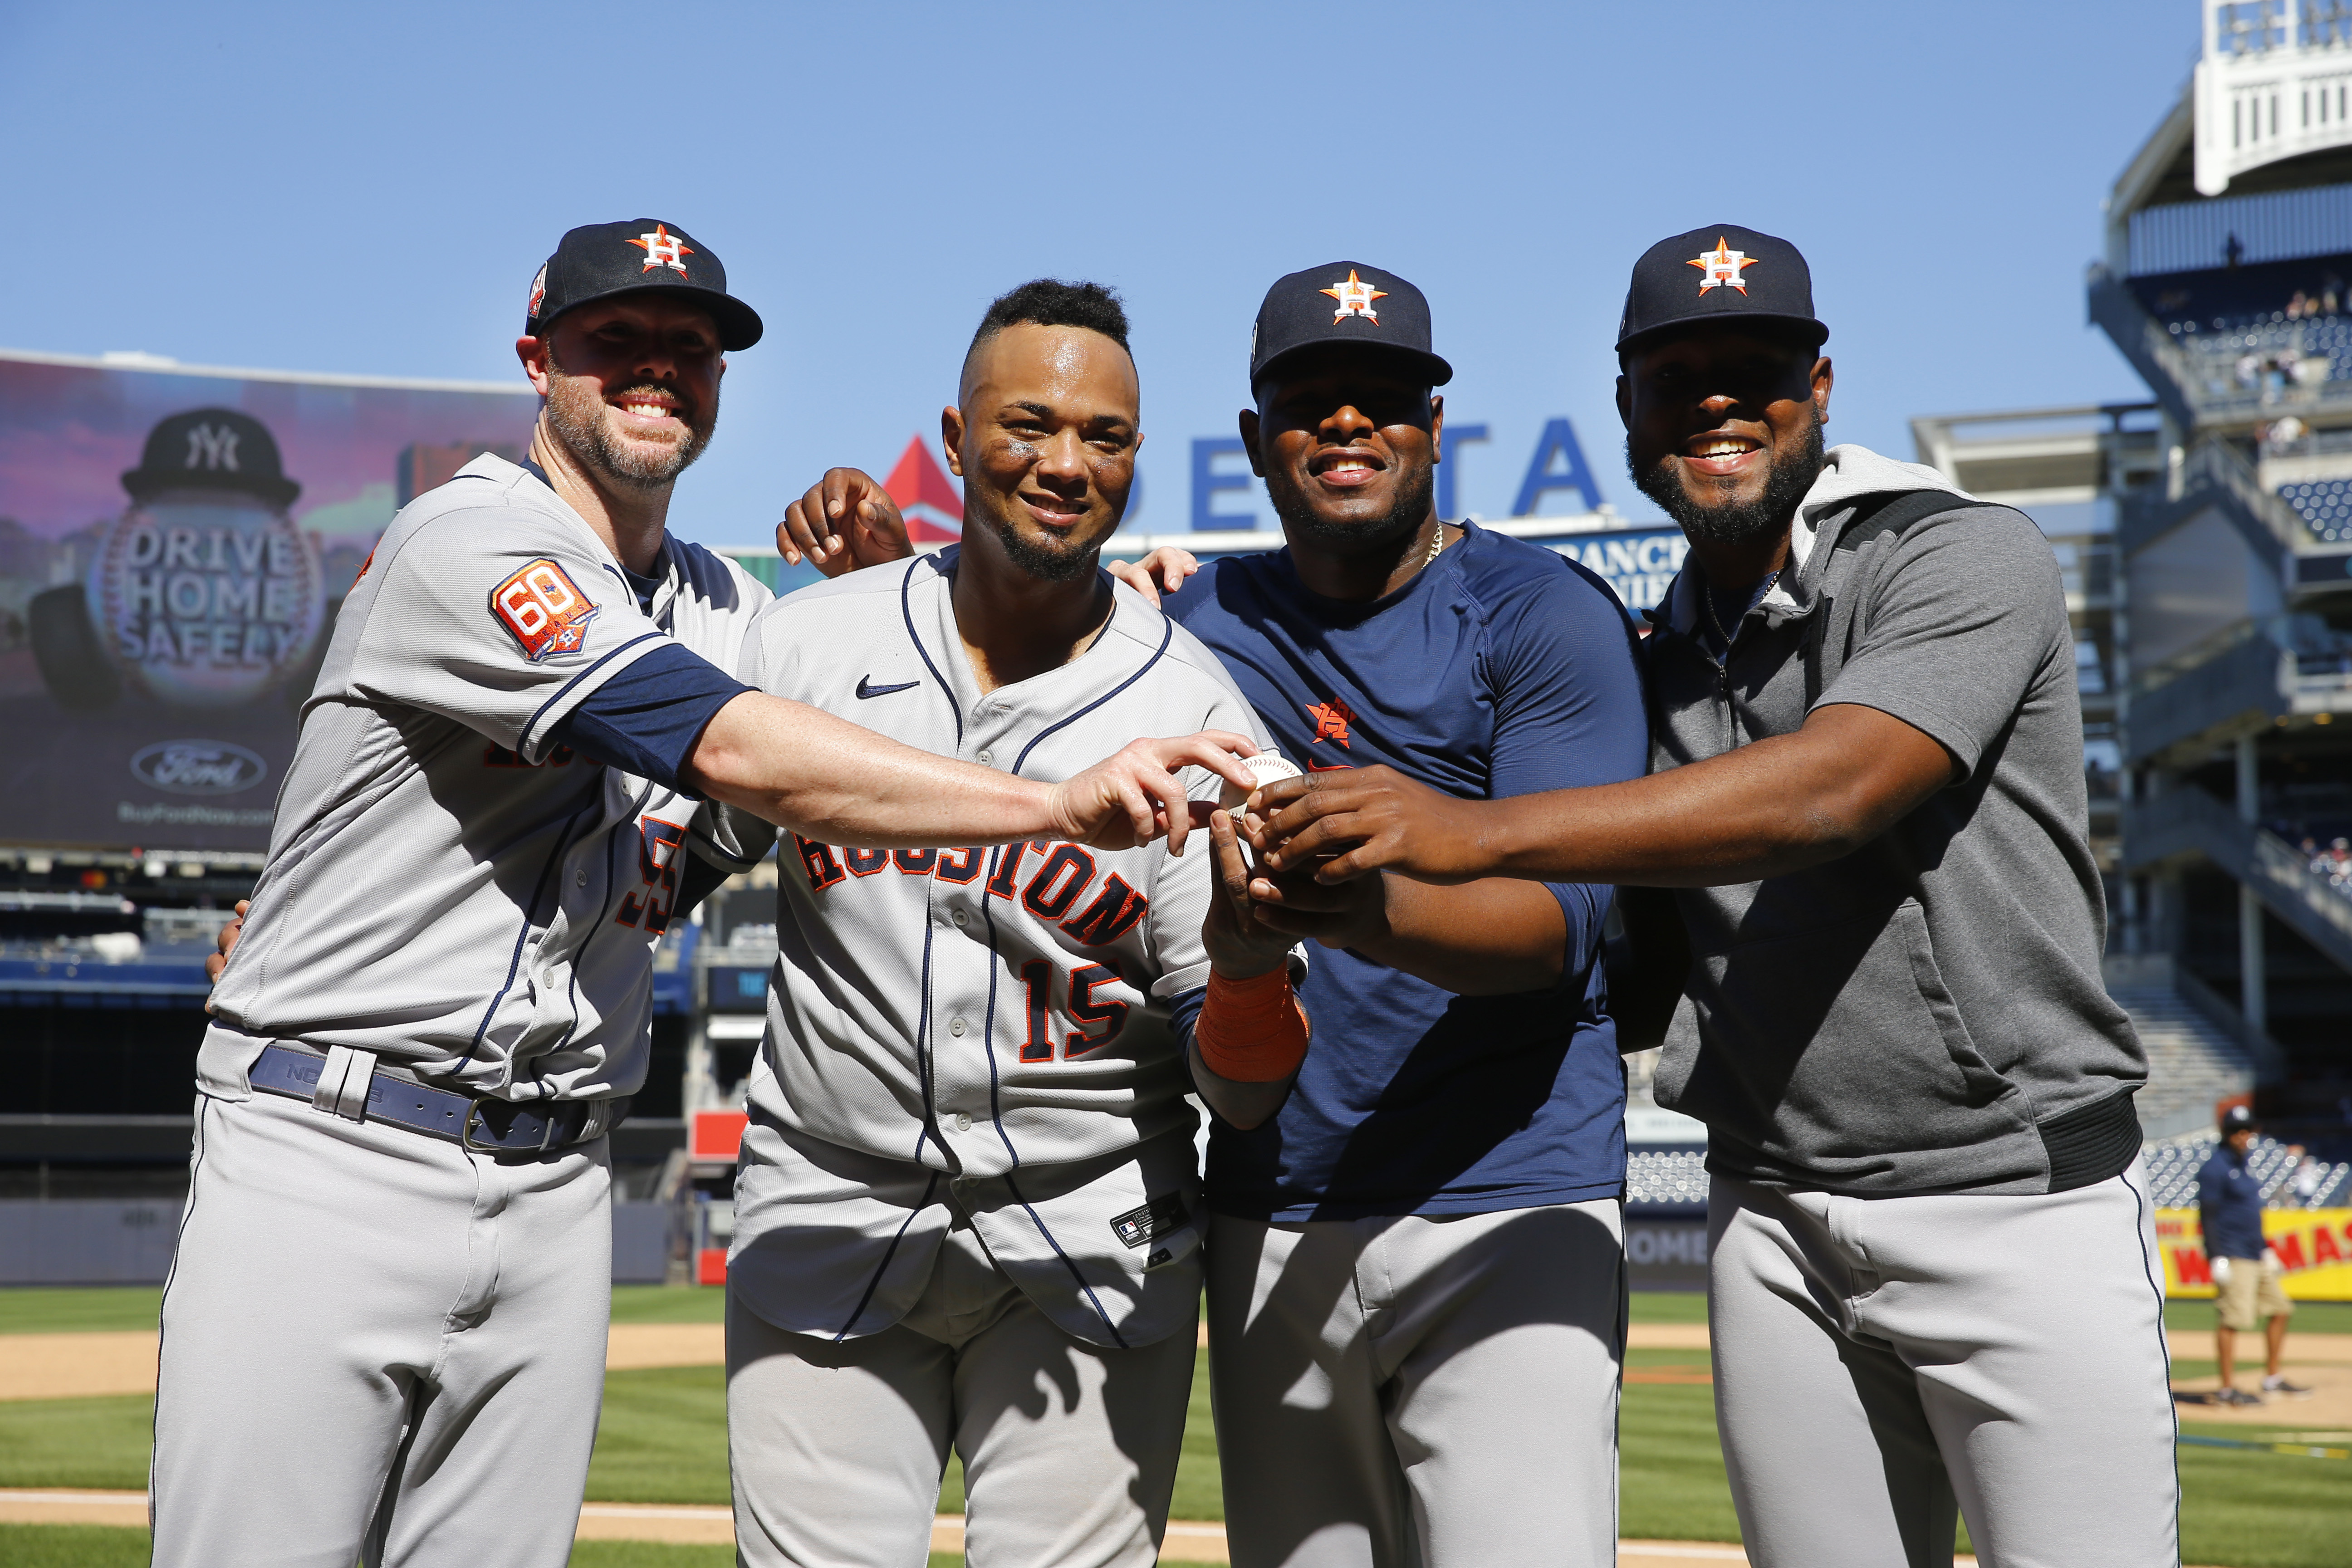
x,y
2230,1206
1500,669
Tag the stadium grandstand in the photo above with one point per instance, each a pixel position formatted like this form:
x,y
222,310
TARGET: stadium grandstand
x,y
2226,282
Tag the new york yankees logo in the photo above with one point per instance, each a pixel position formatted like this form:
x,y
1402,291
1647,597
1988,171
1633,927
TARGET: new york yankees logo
x,y
212,448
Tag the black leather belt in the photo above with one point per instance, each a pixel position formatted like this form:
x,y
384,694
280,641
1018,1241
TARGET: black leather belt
x,y
484,1125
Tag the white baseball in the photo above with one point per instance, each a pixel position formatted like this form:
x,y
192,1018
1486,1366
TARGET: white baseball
x,y
1266,767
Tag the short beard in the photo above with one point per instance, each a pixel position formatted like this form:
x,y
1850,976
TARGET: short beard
x,y
1415,497
1735,522
1043,562
576,412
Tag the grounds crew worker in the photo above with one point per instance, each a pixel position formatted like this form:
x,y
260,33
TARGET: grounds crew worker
x,y
1931,1246
2250,1292
384,1335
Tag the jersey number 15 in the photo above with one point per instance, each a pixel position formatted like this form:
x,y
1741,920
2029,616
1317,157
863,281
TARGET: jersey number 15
x,y
1086,1008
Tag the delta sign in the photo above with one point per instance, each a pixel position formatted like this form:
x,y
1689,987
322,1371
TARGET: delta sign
x,y
1636,562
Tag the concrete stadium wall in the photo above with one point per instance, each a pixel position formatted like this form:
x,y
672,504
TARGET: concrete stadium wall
x,y
110,1242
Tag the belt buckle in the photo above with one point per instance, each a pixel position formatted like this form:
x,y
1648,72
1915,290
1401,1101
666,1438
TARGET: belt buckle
x,y
466,1131
474,1113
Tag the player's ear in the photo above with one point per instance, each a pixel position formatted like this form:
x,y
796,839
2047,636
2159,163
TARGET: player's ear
x,y
1249,440
1624,401
532,351
951,437
1824,376
1436,426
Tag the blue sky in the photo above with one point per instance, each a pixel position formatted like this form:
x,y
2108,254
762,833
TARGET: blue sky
x,y
369,190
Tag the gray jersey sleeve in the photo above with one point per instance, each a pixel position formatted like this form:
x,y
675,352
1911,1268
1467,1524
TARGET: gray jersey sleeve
x,y
502,618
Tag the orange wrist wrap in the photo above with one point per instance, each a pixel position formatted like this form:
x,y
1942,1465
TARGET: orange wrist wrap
x,y
1252,1031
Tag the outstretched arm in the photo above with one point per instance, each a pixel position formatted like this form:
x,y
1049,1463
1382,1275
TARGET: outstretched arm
x,y
802,769
1492,937
1775,806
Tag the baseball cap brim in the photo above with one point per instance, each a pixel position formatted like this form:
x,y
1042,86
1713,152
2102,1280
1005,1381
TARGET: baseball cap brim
x,y
738,325
1428,366
1816,332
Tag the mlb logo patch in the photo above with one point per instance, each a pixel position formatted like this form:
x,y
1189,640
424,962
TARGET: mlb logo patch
x,y
1139,1227
544,609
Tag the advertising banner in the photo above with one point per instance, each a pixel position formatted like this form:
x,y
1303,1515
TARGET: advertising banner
x,y
174,542
2313,1246
1637,563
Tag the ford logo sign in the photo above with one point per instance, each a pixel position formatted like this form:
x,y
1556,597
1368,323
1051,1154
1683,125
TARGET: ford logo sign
x,y
198,767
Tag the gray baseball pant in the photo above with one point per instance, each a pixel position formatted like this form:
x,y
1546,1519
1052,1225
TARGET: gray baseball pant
x,y
378,1347
1881,1363
837,1447
1410,1390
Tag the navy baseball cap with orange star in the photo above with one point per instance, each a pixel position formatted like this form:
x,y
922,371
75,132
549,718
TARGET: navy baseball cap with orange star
x,y
1345,302
1719,273
599,259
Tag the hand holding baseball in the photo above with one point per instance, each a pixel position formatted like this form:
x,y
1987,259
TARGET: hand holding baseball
x,y
1134,797
1346,822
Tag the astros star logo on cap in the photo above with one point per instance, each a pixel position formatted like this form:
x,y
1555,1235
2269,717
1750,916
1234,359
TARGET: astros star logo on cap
x,y
1721,265
1355,297
664,249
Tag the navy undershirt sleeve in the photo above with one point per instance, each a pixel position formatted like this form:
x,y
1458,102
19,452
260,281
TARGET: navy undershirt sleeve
x,y
647,718
1569,714
1183,1017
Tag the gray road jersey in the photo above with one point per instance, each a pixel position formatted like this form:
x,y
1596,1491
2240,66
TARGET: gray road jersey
x,y
444,887
990,1025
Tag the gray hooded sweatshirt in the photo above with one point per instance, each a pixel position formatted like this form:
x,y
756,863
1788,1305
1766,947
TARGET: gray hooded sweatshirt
x,y
1924,1015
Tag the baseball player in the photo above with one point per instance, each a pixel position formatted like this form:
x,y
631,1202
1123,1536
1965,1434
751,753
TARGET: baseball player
x,y
1931,1244
383,1333
967,1214
1428,1234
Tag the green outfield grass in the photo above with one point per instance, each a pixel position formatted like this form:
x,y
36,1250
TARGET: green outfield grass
x,y
81,1546
42,1311
96,1444
2310,1318
667,1304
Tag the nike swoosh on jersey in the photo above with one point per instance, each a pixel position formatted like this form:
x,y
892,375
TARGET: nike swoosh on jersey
x,y
865,688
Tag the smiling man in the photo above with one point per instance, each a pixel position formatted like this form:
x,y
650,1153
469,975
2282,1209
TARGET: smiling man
x,y
384,1329
1931,1248
1415,1282
967,1214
